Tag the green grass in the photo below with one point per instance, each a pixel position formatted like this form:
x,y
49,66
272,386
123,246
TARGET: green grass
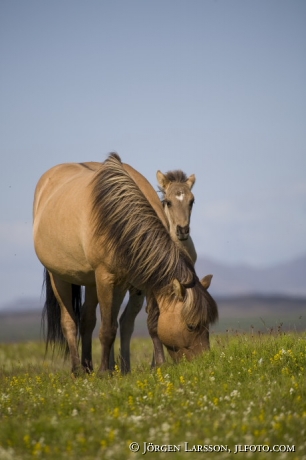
x,y
248,390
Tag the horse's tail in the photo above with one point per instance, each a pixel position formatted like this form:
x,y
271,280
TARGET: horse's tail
x,y
51,315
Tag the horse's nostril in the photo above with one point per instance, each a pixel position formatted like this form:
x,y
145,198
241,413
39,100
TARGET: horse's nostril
x,y
184,231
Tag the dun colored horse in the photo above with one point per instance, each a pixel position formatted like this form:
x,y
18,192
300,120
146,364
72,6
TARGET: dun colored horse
x,y
177,200
106,230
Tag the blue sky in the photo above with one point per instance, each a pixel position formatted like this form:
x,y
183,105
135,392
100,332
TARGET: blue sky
x,y
215,88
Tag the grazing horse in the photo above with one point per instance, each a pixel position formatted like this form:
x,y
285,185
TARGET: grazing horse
x,y
177,200
106,230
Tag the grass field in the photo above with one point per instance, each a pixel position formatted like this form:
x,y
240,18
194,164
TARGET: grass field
x,y
249,390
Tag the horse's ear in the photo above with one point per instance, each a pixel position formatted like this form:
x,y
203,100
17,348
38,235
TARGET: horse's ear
x,y
178,289
206,281
191,180
162,180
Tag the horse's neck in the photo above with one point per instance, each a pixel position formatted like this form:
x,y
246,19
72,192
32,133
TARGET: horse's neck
x,y
187,245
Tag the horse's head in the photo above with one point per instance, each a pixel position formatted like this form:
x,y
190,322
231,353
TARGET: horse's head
x,y
183,325
177,200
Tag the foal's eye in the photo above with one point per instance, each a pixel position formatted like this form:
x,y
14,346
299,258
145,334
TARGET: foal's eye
x,y
191,327
168,203
191,203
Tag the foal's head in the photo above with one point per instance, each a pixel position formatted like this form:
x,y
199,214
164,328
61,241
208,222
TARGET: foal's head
x,y
177,200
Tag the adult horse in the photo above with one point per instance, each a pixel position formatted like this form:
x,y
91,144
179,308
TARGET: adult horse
x,y
106,230
177,199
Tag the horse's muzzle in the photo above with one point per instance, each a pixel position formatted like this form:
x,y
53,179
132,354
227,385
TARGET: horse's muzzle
x,y
182,232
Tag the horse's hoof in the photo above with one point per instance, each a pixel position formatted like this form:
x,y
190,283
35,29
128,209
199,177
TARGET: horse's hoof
x,y
105,373
77,372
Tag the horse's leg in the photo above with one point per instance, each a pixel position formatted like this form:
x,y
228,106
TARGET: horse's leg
x,y
63,293
127,321
152,320
110,299
88,323
112,364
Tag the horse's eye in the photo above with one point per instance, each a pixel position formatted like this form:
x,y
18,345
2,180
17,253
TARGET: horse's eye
x,y
168,203
191,327
191,203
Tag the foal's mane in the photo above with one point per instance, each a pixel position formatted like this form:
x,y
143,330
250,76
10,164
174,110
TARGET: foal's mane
x,y
176,175
140,243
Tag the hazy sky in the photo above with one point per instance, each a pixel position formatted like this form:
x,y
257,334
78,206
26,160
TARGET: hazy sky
x,y
215,88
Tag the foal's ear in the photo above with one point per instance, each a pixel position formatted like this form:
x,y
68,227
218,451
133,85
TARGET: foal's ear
x,y
206,281
191,180
178,289
162,180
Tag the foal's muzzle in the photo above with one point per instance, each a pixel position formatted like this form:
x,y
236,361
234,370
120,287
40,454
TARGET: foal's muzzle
x,y
182,232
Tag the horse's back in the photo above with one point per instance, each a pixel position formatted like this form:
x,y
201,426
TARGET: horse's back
x,y
58,178
64,234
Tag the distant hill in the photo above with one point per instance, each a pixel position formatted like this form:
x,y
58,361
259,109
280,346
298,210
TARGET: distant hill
x,y
286,279
22,304
283,279
258,298
236,313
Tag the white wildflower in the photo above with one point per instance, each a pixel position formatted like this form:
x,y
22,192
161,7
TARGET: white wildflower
x,y
165,426
135,418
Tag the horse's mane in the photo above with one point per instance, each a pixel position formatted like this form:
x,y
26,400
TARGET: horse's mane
x,y
174,176
132,230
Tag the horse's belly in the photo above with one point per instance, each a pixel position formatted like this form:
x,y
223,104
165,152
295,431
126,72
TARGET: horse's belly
x,y
75,277
64,260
